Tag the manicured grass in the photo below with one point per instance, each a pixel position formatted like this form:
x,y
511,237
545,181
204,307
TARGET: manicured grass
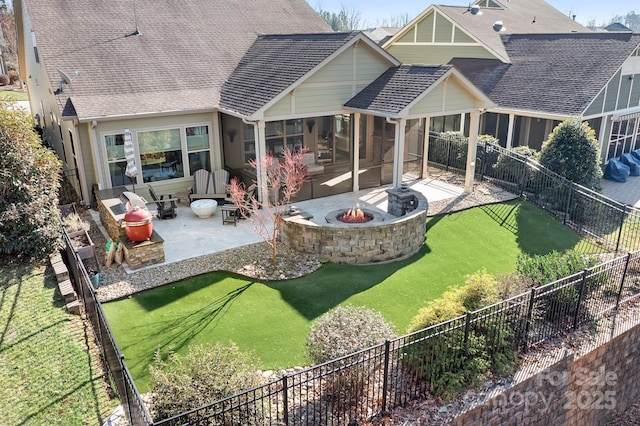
x,y
273,319
48,374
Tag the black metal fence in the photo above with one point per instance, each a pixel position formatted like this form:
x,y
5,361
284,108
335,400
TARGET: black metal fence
x,y
359,386
367,383
112,358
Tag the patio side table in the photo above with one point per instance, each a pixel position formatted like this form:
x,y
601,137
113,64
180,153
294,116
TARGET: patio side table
x,y
230,214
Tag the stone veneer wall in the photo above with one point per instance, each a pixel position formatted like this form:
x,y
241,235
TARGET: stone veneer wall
x,y
589,390
143,253
357,244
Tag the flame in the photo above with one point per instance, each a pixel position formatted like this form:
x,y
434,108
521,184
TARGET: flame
x,y
354,215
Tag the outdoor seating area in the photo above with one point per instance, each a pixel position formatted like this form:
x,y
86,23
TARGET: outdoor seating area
x,y
209,185
166,206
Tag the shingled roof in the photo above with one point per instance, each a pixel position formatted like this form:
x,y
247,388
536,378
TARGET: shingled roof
x,y
551,73
186,50
517,16
397,88
274,63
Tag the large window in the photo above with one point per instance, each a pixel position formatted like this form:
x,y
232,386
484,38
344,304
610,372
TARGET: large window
x,y
198,148
287,133
334,139
116,160
160,154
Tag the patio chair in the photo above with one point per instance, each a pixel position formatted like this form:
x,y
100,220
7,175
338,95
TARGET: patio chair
x,y
251,192
166,206
209,185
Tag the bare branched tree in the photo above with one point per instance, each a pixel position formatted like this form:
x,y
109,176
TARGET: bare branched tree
x,y
284,179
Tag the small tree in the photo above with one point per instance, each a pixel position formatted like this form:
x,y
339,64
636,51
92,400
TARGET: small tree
x,y
284,179
572,152
29,183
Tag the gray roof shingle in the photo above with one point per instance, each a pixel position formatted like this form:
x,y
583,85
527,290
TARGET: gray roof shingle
x,y
185,51
552,73
275,62
398,87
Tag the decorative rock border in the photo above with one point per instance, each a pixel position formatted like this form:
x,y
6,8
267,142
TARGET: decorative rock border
x,y
365,243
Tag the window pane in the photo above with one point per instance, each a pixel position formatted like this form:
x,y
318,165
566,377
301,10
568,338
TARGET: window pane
x,y
248,132
159,141
294,126
273,128
115,147
197,138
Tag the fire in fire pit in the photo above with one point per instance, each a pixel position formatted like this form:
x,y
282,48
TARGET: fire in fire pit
x,y
355,215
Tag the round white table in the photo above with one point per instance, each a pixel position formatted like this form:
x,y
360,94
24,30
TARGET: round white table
x,y
204,208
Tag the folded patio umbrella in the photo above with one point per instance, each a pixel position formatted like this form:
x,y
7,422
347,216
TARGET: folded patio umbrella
x,y
130,156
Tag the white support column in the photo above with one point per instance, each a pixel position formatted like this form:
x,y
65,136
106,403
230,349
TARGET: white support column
x,y
425,153
216,152
398,152
602,141
356,151
261,149
463,117
471,151
510,130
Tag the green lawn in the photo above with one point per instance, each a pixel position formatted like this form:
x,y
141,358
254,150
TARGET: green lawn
x,y
273,319
48,376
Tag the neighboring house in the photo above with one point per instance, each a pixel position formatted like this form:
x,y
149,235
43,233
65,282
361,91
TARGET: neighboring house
x,y
215,83
538,66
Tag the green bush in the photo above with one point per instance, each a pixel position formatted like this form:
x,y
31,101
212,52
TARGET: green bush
x,y
13,76
29,182
572,151
345,330
206,373
444,359
4,80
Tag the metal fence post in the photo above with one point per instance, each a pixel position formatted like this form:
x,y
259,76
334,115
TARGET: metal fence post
x,y
285,399
583,285
624,277
622,216
448,151
466,330
566,210
529,319
385,378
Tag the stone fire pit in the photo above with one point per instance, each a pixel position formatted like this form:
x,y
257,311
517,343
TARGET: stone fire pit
x,y
384,238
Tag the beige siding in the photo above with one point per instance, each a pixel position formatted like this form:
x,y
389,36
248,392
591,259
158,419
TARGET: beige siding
x,y
369,64
330,87
461,37
431,103
444,29
612,93
280,108
436,54
408,37
425,30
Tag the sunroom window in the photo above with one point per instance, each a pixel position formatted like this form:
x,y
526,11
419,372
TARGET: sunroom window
x,y
160,155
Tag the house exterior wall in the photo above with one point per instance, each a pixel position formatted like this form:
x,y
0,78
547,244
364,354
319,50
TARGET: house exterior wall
x,y
327,90
436,40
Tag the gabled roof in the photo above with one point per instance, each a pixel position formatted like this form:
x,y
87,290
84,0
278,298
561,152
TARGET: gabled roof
x,y
551,73
397,88
185,51
517,16
274,63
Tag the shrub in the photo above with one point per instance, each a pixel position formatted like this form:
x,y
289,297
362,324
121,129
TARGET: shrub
x,y
345,330
4,80
29,183
443,357
572,151
341,332
206,373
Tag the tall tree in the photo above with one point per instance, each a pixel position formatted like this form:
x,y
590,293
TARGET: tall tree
x,y
345,20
